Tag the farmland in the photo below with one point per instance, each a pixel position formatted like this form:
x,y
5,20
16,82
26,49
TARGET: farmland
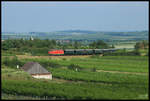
x,y
115,77
75,51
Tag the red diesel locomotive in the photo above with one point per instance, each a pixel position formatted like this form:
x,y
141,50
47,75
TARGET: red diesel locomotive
x,y
56,52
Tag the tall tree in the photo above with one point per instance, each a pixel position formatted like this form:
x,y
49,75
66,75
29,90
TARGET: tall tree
x,y
99,44
77,45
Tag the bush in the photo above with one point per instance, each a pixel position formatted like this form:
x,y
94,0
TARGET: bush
x,y
93,69
74,67
49,64
64,59
132,53
12,62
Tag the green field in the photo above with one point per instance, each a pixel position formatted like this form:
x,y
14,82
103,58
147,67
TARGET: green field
x,y
116,77
125,45
112,63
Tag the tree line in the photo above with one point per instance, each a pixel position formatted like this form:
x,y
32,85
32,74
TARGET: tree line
x,y
38,45
142,45
41,47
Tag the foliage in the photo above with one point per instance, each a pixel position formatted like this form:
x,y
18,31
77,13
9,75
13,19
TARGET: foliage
x,y
41,47
74,67
112,46
77,45
141,45
36,46
12,62
70,91
123,53
93,69
99,45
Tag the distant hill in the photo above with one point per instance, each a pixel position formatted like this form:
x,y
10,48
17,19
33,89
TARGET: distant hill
x,y
79,31
80,35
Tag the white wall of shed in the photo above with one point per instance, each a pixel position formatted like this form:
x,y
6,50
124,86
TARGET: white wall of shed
x,y
43,76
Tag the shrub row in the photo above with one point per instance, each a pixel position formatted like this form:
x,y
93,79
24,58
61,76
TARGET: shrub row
x,y
71,91
132,53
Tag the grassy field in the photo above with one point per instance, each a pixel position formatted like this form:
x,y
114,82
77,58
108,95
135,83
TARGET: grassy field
x,y
116,77
110,63
125,45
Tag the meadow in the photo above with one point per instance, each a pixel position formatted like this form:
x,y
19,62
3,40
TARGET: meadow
x,y
110,63
115,77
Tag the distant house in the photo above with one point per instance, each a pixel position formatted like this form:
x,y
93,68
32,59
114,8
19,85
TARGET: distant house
x,y
36,70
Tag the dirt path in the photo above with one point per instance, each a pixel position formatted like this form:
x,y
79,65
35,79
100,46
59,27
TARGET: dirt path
x,y
53,57
122,72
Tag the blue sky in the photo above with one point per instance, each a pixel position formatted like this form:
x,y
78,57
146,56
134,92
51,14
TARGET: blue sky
x,y
57,16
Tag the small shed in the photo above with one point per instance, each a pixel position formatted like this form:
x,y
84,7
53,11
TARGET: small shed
x,y
36,70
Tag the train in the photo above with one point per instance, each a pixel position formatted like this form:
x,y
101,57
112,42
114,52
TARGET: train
x,y
79,51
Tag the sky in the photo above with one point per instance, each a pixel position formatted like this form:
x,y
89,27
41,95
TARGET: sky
x,y
58,16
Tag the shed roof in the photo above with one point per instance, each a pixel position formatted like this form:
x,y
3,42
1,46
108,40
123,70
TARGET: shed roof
x,y
34,68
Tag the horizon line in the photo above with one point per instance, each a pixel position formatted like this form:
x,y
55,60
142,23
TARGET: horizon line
x,y
75,30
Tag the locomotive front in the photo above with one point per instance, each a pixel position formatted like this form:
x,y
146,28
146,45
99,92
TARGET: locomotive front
x,y
56,52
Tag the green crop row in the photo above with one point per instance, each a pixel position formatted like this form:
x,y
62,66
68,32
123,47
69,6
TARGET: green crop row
x,y
71,90
103,77
112,63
